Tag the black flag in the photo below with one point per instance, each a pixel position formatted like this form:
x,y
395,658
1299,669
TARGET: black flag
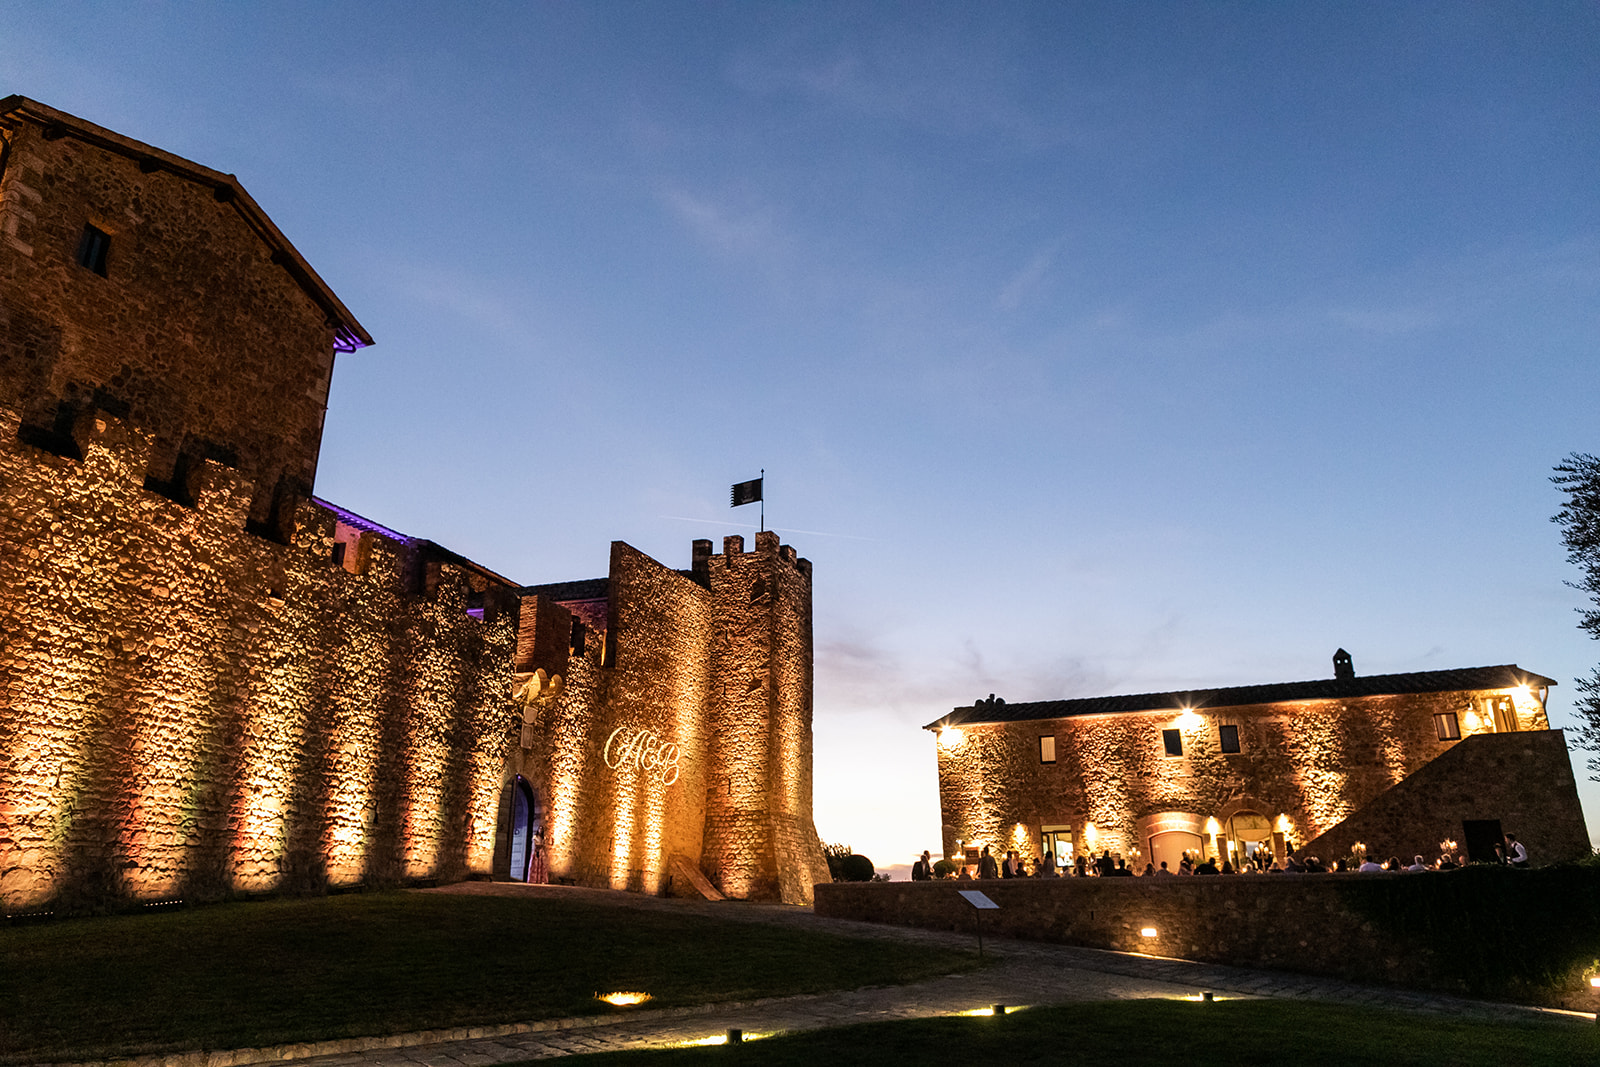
x,y
747,492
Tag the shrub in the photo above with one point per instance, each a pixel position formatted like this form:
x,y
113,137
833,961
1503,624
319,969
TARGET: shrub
x,y
946,869
854,868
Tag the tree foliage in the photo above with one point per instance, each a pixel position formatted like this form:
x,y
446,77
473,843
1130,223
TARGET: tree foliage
x,y
845,866
1578,476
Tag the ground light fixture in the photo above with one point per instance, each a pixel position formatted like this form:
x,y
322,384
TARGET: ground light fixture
x,y
623,1000
1148,931
991,1011
733,1036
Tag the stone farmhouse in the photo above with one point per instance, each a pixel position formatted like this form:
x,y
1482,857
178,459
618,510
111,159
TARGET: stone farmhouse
x,y
214,682
1397,764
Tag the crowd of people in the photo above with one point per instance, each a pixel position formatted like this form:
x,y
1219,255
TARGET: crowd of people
x,y
1510,852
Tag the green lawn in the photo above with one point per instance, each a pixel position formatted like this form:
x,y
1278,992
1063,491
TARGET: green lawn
x,y
1165,1032
273,971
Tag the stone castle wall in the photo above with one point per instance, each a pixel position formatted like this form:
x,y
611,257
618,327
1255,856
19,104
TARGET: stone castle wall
x,y
195,333
210,683
191,710
760,839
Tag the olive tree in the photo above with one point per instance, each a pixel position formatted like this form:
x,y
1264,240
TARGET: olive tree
x,y
1578,476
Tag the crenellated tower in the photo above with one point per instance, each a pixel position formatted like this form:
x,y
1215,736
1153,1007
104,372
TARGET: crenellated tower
x,y
760,841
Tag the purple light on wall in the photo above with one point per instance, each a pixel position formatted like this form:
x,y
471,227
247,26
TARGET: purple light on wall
x,y
350,518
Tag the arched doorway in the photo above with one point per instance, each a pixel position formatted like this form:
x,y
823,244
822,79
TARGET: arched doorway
x,y
525,830
1169,846
1249,837
1170,834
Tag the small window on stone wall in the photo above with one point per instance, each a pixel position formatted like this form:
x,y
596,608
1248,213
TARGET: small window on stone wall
x,y
94,248
1445,723
1173,740
1047,750
1228,738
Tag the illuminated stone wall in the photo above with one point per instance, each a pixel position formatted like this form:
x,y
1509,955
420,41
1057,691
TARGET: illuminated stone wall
x,y
1521,779
684,728
210,683
187,709
1352,926
1313,761
197,332
760,839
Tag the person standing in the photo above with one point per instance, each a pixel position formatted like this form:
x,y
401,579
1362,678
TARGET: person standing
x,y
1516,853
922,870
987,868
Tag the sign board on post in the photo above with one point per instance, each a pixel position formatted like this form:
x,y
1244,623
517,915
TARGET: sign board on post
x,y
980,903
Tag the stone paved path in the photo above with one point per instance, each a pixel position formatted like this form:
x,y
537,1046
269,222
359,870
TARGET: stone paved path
x,y
1028,973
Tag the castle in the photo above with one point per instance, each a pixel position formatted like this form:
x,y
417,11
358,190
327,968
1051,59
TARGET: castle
x,y
214,682
1398,764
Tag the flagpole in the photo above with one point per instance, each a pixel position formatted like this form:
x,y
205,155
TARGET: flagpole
x,y
763,499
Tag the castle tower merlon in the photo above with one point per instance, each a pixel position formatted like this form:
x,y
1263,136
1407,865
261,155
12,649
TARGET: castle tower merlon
x,y
700,560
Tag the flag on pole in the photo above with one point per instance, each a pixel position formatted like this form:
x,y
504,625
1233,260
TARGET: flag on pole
x,y
747,492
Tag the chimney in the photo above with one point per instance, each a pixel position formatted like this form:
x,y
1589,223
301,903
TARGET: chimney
x,y
1342,667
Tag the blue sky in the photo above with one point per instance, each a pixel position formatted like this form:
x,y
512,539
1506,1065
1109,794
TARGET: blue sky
x,y
1088,348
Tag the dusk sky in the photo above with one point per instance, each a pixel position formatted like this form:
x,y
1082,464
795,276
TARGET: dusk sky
x,y
1088,348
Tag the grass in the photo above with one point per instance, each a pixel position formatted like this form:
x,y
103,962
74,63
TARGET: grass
x,y
1158,1032
268,972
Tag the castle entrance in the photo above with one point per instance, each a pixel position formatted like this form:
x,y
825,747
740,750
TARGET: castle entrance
x,y
525,831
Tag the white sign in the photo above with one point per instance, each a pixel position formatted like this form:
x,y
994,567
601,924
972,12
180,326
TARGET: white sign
x,y
978,900
644,750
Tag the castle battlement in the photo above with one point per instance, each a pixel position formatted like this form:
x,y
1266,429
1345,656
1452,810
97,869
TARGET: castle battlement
x,y
213,681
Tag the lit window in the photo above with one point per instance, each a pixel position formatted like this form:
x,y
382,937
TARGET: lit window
x,y
1445,723
1173,739
93,248
1047,750
1229,738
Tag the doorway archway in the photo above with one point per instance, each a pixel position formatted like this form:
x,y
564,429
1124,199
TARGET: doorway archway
x,y
525,829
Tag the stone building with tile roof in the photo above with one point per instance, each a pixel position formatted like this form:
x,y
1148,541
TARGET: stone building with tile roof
x,y
1401,764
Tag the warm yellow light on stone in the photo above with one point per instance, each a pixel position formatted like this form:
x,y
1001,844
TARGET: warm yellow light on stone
x,y
951,737
1188,720
1148,931
1213,828
1090,835
623,1000
1283,825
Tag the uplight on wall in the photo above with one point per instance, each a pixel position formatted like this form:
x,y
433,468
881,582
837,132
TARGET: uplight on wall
x,y
951,737
1188,720
1148,931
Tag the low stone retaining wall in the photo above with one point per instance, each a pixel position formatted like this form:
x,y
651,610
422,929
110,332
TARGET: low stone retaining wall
x,y
1498,931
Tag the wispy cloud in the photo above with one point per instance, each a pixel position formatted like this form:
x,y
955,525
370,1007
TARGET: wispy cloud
x,y
1026,281
943,83
740,229
855,671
